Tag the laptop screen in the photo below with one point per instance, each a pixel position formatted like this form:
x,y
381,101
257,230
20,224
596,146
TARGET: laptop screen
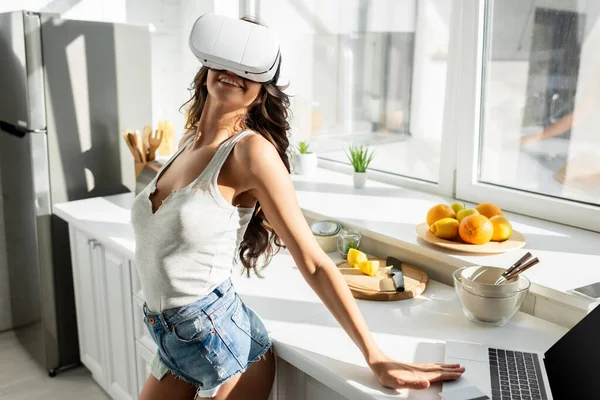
x,y
573,363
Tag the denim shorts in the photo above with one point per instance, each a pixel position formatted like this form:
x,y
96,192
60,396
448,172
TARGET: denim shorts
x,y
207,342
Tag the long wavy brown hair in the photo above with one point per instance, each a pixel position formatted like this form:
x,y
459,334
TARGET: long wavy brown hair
x,y
267,116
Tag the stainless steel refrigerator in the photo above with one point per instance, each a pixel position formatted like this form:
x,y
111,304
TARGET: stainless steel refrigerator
x,y
67,90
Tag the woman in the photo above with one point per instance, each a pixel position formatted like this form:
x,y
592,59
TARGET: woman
x,y
211,202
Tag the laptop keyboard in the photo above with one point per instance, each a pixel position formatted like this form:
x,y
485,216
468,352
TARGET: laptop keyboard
x,y
515,375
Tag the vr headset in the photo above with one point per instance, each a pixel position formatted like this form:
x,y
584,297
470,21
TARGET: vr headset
x,y
248,50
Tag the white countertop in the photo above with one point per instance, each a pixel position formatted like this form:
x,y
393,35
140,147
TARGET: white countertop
x,y
569,257
307,336
106,218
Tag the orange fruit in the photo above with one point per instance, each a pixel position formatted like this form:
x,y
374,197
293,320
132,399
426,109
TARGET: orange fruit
x,y
476,229
438,212
488,209
502,228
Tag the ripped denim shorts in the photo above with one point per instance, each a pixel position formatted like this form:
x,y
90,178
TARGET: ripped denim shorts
x,y
207,342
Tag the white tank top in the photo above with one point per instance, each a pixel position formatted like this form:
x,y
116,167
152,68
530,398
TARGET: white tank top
x,y
189,245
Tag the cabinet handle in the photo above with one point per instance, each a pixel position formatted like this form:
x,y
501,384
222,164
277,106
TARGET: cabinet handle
x,y
93,242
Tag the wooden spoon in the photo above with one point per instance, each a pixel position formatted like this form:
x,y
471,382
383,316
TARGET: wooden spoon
x,y
147,133
126,137
154,141
139,142
132,138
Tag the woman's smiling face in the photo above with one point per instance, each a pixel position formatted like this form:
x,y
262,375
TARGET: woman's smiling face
x,y
230,89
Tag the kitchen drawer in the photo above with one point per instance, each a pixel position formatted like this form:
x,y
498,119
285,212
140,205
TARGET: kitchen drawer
x,y
143,360
136,286
140,331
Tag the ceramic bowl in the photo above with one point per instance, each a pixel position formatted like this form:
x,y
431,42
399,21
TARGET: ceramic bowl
x,y
484,302
482,279
325,232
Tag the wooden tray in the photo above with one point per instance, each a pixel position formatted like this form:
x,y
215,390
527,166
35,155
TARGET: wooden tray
x,y
516,241
381,287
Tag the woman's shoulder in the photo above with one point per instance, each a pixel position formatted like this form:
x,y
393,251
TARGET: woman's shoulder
x,y
253,151
253,144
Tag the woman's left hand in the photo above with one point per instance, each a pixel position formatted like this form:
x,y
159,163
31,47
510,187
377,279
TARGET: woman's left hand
x,y
396,375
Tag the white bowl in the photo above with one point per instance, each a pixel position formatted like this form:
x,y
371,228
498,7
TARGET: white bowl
x,y
482,279
327,243
482,301
325,232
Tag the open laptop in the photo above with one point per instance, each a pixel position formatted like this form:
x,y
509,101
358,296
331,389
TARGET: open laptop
x,y
570,369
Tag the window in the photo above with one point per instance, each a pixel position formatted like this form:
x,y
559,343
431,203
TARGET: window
x,y
532,143
367,72
483,100
541,98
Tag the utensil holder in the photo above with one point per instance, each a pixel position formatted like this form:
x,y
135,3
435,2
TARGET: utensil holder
x,y
139,167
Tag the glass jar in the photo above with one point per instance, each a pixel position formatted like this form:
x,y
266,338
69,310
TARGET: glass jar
x,y
348,239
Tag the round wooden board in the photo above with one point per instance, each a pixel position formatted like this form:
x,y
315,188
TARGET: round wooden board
x,y
516,241
381,287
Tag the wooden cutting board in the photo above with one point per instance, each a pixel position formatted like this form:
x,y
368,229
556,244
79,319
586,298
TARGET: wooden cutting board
x,y
381,287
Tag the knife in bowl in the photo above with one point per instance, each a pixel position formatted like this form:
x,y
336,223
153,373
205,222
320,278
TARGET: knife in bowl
x,y
396,273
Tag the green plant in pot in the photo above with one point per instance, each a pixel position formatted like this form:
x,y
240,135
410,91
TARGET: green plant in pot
x,y
305,162
360,157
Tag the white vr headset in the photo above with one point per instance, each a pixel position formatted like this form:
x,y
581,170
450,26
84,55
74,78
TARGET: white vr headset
x,y
248,50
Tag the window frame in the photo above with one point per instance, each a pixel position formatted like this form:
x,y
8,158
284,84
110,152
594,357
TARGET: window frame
x,y
468,125
447,169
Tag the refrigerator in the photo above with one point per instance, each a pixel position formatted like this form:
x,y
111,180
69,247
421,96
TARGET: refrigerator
x,y
67,90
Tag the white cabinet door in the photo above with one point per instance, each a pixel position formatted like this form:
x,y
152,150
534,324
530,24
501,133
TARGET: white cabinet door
x,y
315,390
121,371
293,384
88,300
144,358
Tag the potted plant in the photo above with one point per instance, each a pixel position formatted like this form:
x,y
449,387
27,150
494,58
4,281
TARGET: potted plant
x,y
360,157
305,162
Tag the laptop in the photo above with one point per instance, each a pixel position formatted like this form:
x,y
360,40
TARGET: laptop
x,y
570,369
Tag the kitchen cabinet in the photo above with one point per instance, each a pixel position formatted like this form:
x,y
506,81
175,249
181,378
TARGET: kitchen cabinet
x,y
315,390
122,381
144,358
88,301
293,384
102,284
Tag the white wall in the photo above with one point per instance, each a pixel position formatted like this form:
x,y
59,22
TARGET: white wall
x,y
94,10
163,16
173,65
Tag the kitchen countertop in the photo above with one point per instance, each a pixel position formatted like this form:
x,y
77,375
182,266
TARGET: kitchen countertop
x,y
569,257
106,218
307,336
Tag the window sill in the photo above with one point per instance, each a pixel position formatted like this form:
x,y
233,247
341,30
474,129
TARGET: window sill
x,y
569,257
